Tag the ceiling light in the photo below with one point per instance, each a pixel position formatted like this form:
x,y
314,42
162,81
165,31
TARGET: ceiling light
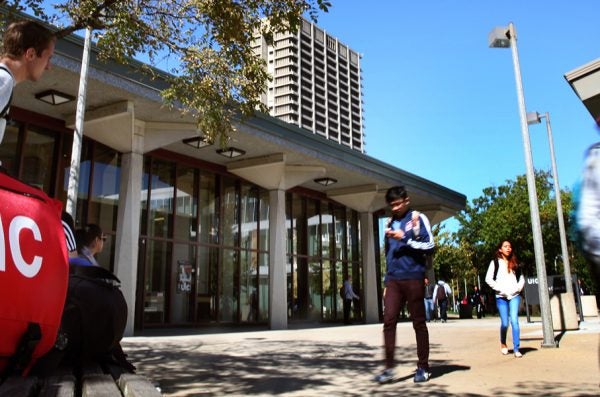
x,y
325,181
54,97
231,152
197,142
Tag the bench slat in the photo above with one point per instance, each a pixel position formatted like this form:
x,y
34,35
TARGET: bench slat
x,y
137,386
19,386
58,386
99,386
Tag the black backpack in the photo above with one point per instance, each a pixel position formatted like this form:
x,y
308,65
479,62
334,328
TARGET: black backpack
x,y
342,292
441,292
93,322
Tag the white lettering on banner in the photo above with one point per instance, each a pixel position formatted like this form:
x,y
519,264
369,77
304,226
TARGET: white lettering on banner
x,y
16,226
532,280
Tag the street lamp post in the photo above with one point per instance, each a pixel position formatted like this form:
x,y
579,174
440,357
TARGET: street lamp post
x,y
506,37
534,118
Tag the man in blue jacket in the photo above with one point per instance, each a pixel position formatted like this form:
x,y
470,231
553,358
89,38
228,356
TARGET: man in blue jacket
x,y
408,241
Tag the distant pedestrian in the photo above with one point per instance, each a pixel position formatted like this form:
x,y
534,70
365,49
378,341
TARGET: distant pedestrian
x,y
27,49
428,300
505,278
441,292
582,289
477,302
408,239
349,297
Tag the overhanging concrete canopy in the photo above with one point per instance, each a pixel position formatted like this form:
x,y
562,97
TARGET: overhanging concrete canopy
x,y
365,198
124,108
271,172
585,81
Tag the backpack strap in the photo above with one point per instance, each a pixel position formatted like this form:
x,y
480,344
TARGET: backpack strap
x,y
518,271
4,111
20,360
496,265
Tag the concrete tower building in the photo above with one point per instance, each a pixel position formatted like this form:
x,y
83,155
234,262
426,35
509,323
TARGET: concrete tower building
x,y
317,84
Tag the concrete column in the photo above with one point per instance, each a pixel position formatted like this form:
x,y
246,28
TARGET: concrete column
x,y
367,239
277,261
128,231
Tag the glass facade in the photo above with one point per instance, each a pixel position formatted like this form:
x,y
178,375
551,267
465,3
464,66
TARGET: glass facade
x,y
204,234
204,247
322,248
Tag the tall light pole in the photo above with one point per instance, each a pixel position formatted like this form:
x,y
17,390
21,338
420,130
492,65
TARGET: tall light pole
x,y
505,37
535,118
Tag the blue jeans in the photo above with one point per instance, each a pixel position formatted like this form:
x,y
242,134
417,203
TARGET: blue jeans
x,y
509,310
428,308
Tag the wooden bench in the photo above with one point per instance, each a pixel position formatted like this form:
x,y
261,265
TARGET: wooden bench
x,y
93,383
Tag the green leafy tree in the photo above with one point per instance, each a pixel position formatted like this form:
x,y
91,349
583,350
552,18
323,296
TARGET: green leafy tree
x,y
213,72
453,259
503,213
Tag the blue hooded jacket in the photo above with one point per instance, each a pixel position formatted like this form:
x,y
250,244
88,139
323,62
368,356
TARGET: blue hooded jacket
x,y
406,258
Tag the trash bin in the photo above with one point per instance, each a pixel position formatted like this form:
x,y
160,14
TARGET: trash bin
x,y
465,310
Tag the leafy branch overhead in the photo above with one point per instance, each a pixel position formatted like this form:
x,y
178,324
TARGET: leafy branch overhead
x,y
206,45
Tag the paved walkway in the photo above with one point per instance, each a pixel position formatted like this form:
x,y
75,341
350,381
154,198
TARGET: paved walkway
x,y
342,360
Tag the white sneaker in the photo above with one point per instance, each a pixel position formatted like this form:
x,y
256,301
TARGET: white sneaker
x,y
518,354
504,350
386,376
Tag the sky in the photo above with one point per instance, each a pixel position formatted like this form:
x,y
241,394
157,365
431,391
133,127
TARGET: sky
x,y
439,103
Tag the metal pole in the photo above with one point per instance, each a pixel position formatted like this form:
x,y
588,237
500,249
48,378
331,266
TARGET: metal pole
x,y
559,211
538,244
73,184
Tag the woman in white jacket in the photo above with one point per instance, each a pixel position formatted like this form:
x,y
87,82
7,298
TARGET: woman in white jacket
x,y
505,278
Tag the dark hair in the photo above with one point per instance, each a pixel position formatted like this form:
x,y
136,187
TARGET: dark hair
x,y
395,193
86,236
512,258
22,35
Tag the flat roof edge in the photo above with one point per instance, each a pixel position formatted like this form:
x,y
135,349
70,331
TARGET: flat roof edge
x,y
582,71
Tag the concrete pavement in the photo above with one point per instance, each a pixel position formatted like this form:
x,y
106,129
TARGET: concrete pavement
x,y
465,360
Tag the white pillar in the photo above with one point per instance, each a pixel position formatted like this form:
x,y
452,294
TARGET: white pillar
x,y
277,260
128,231
367,238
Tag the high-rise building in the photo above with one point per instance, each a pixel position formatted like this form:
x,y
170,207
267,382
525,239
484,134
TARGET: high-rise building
x,y
317,84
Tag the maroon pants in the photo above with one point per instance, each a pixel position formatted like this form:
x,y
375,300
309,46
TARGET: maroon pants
x,y
411,292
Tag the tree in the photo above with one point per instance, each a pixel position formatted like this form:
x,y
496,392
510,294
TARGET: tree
x,y
213,72
503,213
453,259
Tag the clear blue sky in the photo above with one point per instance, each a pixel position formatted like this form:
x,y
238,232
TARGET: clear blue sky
x,y
441,104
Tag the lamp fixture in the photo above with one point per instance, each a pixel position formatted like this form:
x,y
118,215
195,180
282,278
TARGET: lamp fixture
x,y
534,118
325,181
53,97
506,37
197,142
231,152
499,38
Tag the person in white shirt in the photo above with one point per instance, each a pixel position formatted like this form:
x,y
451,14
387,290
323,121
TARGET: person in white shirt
x,y
441,292
349,296
27,49
505,278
